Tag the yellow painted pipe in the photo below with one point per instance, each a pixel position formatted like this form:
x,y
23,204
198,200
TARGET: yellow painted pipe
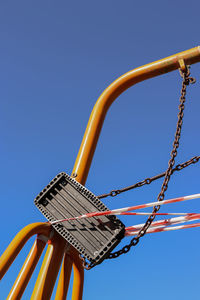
x,y
27,270
19,241
64,279
77,291
89,142
49,269
71,257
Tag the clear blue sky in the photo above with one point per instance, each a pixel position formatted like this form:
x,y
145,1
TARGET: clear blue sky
x,y
56,59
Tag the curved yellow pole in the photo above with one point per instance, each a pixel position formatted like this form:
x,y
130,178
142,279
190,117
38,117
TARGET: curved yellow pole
x,y
19,241
27,270
89,142
49,269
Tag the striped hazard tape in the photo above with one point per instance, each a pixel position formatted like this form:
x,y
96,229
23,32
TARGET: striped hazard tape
x,y
126,210
161,224
166,228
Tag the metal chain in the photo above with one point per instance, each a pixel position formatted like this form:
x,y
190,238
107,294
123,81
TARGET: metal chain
x,y
186,81
86,265
149,180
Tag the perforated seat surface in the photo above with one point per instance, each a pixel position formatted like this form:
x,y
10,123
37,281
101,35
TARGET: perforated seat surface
x,y
95,237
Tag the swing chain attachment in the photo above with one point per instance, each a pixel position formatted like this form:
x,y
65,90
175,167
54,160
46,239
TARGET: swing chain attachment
x,y
86,265
185,73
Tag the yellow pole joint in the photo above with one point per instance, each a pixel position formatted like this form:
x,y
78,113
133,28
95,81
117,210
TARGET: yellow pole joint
x,y
19,241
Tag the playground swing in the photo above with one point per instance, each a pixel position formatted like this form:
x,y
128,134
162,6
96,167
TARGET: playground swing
x,y
80,218
95,236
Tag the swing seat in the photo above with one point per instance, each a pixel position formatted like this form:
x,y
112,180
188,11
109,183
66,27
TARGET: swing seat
x,y
95,237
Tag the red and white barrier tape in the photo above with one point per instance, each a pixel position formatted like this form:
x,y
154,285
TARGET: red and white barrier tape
x,y
160,229
161,223
125,214
122,211
150,213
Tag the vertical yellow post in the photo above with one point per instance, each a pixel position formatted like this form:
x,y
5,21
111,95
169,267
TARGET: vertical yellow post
x,y
71,256
78,276
49,269
63,283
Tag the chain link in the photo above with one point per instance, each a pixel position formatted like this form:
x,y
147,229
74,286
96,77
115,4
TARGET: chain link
x,y
186,81
149,180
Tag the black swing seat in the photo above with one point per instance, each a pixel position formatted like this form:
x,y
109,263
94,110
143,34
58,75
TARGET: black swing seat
x,y
94,237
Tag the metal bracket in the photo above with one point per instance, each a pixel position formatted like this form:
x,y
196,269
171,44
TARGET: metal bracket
x,y
182,65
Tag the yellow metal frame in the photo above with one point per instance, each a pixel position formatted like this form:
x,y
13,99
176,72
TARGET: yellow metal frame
x,y
58,250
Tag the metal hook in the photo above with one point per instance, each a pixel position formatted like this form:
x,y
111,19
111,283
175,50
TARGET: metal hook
x,y
182,65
